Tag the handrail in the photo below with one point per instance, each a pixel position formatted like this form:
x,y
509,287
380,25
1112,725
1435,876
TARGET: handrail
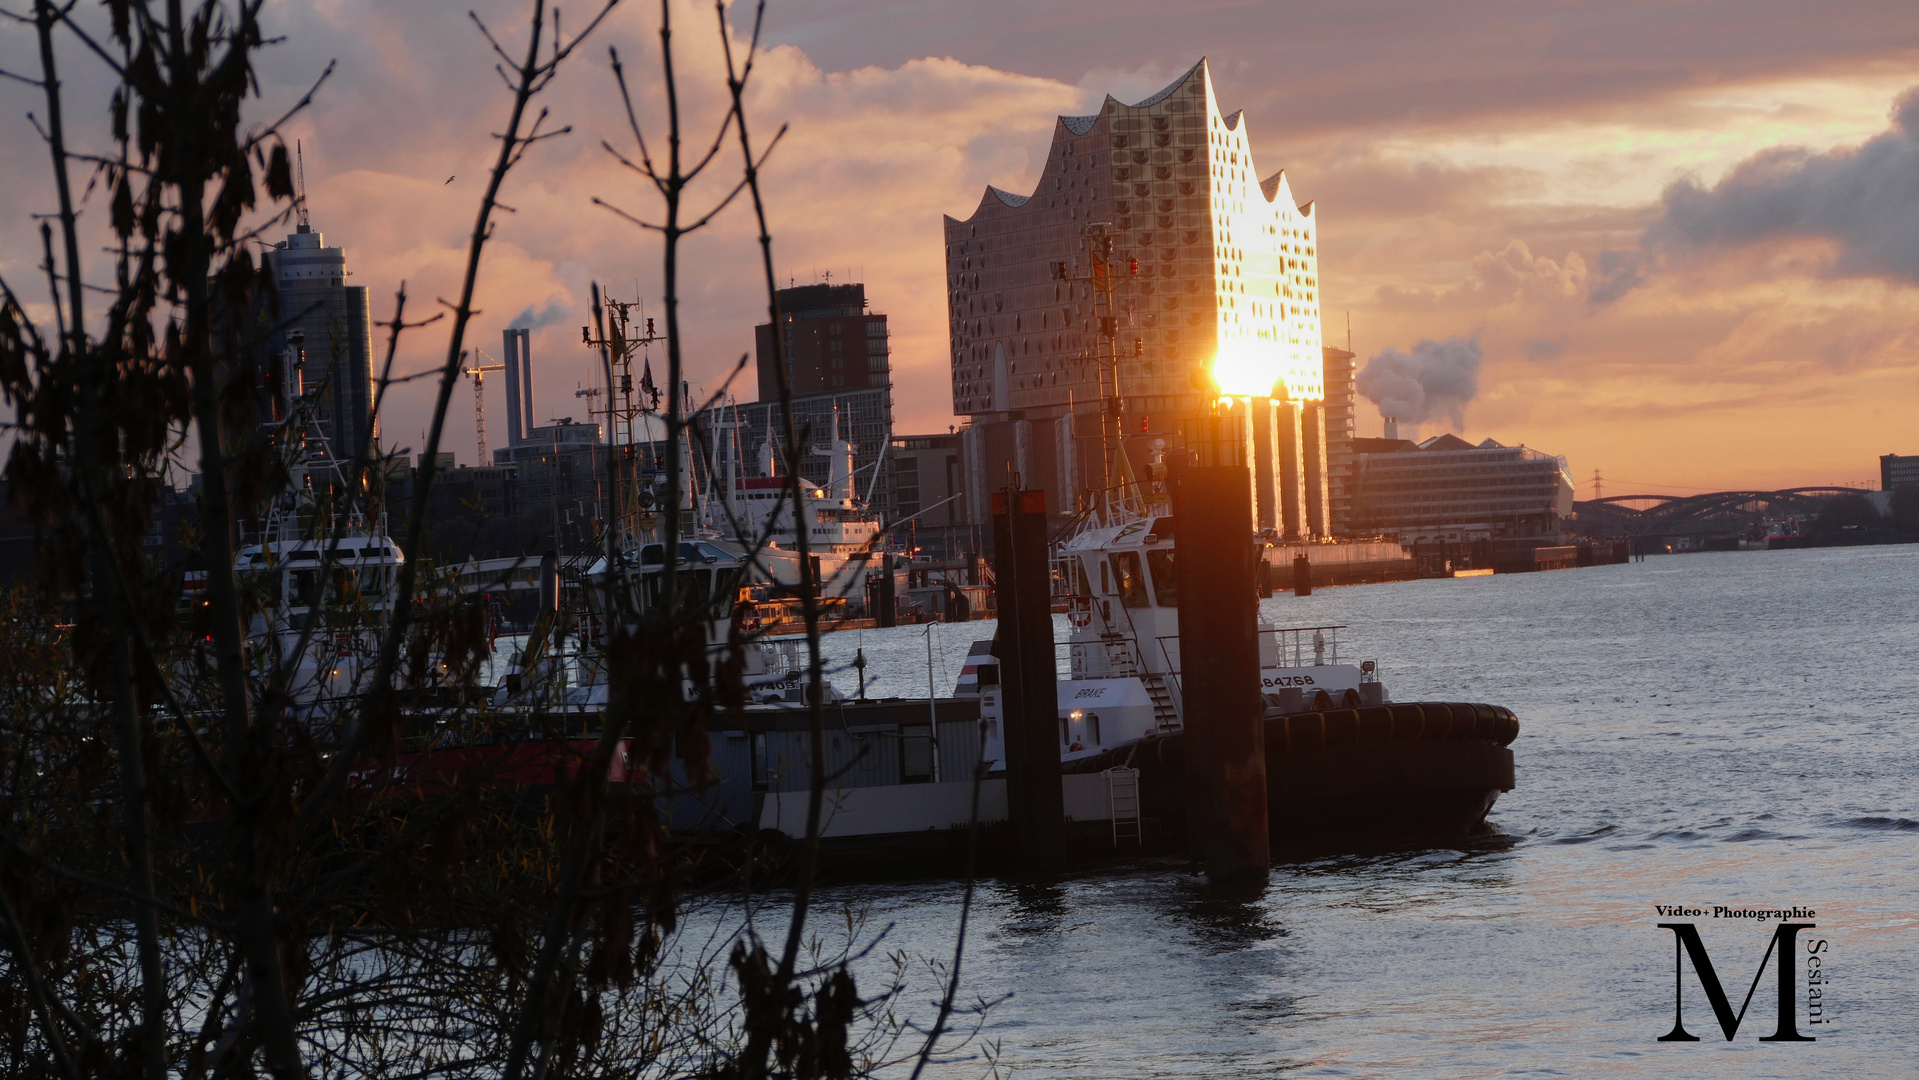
x,y
1321,650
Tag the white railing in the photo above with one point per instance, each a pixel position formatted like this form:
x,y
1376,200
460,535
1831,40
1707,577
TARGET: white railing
x,y
1305,646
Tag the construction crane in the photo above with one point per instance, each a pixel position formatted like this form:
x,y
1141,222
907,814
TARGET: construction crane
x,y
478,371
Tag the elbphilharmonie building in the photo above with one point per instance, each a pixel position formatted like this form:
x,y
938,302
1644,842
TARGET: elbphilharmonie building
x,y
1152,270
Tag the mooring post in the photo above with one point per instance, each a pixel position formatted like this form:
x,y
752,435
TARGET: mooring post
x,y
1029,684
1219,677
885,604
1302,576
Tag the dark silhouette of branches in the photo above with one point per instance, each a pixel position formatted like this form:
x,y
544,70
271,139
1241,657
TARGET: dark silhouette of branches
x,y
219,855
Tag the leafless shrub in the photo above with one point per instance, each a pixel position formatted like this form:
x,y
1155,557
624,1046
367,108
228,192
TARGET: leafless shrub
x,y
217,858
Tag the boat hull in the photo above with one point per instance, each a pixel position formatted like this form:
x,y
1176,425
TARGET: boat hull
x,y
1352,777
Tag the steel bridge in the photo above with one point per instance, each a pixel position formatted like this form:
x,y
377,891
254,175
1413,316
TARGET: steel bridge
x,y
1714,513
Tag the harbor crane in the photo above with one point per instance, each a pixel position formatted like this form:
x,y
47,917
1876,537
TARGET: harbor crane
x,y
478,371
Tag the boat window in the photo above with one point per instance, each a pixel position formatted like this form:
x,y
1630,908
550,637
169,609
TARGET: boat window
x,y
988,675
1165,581
303,587
1092,729
1105,580
1127,576
695,587
916,754
343,588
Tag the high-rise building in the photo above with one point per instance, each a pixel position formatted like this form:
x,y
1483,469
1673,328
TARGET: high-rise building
x,y
840,370
1152,267
1341,425
830,341
1896,469
328,325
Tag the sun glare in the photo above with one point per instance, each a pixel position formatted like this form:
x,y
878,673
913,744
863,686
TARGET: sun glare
x,y
1243,369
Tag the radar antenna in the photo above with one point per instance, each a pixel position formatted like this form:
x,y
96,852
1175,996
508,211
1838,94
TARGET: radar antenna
x,y
300,203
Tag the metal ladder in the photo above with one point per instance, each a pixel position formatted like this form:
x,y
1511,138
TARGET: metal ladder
x,y
1122,801
1165,710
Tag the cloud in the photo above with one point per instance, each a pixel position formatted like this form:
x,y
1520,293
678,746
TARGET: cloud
x,y
1514,272
1545,348
1620,272
1436,379
1487,173
1423,62
871,159
1863,199
1510,276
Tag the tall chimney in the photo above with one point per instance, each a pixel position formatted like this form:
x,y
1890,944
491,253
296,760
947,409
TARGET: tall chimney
x,y
526,381
519,385
1392,427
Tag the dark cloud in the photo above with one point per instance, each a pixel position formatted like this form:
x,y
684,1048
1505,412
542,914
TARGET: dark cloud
x,y
1436,379
1864,198
1619,272
1348,63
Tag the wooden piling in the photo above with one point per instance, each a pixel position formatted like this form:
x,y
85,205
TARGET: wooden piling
x,y
885,603
1219,676
1028,681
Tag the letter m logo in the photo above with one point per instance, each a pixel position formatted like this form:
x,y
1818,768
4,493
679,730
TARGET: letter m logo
x,y
1686,942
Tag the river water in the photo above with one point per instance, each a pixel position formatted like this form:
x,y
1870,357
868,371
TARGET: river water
x,y
1717,729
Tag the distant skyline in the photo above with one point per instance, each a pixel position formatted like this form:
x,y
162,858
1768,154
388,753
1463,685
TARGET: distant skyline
x,y
1684,239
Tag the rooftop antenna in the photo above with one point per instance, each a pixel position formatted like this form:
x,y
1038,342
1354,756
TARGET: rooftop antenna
x,y
299,155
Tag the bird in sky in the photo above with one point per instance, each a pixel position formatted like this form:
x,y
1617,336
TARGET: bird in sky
x,y
449,180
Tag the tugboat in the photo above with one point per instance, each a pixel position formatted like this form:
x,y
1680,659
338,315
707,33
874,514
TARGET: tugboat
x,y
1340,758
1345,765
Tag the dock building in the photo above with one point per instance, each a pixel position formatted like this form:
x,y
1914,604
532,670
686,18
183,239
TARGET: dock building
x,y
1151,270
1446,489
561,466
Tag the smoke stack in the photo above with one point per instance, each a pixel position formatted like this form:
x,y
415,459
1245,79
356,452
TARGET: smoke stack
x,y
519,385
1392,427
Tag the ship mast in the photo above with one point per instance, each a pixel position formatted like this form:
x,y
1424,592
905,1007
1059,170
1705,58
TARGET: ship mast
x,y
1103,279
629,406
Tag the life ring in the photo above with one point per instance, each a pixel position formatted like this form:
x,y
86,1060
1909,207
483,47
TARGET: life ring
x,y
1081,612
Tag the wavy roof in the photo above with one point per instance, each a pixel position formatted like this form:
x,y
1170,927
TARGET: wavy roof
x,y
1174,85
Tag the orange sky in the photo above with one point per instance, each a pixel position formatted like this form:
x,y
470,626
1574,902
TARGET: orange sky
x,y
1490,173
